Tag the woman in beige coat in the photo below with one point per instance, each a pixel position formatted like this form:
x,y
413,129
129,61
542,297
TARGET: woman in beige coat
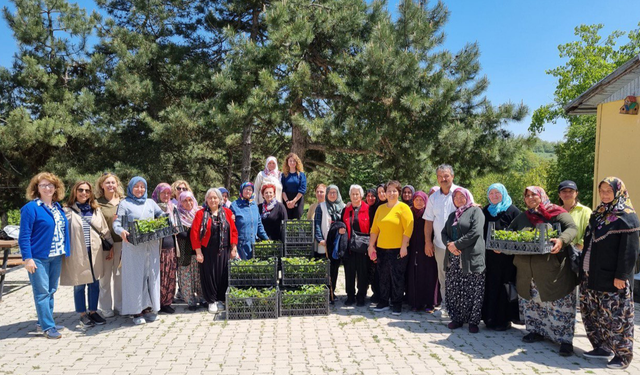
x,y
83,268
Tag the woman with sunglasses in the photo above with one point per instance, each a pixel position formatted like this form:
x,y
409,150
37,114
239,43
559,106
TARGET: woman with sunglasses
x,y
177,188
84,267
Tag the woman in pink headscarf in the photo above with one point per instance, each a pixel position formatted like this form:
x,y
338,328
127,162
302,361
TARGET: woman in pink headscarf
x,y
168,261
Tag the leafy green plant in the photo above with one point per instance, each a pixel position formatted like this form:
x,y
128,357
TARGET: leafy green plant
x,y
304,297
527,235
254,302
151,225
298,268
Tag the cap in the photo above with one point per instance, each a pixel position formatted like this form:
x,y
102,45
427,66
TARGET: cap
x,y
567,184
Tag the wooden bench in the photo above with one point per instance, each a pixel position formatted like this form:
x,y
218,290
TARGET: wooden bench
x,y
6,246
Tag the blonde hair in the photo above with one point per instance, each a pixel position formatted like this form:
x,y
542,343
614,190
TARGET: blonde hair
x,y
299,167
72,195
99,192
32,189
174,188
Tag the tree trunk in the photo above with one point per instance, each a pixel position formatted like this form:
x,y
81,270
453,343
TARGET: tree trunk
x,y
227,180
246,150
299,137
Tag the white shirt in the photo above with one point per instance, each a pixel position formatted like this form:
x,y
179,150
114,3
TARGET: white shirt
x,y
439,207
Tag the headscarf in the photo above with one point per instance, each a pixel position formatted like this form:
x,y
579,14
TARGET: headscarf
x,y
223,190
618,212
132,198
334,208
433,190
380,200
186,216
461,210
275,173
244,185
495,209
418,213
546,209
413,192
167,207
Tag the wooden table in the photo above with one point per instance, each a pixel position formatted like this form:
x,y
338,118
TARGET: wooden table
x,y
6,246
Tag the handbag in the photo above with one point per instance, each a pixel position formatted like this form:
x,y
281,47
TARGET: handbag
x,y
107,243
512,292
574,258
359,242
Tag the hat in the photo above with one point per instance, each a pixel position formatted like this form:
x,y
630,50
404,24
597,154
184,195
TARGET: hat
x,y
567,184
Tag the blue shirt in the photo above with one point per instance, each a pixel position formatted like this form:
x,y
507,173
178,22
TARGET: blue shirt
x,y
294,183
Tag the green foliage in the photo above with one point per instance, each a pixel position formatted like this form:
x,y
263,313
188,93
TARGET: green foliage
x,y
302,268
531,235
304,297
13,217
589,59
151,225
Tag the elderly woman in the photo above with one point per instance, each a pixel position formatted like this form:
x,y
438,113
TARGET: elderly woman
x,y
390,234
327,213
43,240
498,309
407,194
464,261
188,270
422,272
568,196
294,186
109,193
270,175
168,261
272,213
545,282
140,263
248,221
214,238
356,262
608,260
83,268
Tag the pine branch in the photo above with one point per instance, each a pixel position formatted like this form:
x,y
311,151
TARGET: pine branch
x,y
352,151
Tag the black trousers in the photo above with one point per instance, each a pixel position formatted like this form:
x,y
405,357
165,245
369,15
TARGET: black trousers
x,y
356,267
295,212
391,270
333,273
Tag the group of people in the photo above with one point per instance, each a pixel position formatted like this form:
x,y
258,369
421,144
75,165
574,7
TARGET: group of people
x,y
423,249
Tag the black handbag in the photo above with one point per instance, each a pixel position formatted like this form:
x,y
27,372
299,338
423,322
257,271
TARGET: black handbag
x,y
358,242
107,244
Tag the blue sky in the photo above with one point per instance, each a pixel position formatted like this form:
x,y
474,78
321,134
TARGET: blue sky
x,y
518,42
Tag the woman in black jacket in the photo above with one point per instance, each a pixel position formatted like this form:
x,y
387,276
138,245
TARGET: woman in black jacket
x,y
611,245
272,212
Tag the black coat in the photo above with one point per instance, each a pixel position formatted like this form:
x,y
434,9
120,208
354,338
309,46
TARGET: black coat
x,y
273,223
343,243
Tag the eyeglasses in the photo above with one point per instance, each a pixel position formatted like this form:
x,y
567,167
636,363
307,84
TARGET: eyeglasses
x,y
530,196
84,190
181,188
46,186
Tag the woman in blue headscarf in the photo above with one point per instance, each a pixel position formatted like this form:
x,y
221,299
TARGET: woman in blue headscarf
x,y
498,310
248,221
140,263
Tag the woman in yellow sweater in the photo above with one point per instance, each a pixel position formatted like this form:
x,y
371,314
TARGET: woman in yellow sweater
x,y
390,233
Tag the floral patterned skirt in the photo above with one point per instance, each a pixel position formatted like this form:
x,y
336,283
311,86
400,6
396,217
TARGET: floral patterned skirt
x,y
465,293
554,320
189,280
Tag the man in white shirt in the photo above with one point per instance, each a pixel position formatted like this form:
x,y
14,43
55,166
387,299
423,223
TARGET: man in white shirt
x,y
439,207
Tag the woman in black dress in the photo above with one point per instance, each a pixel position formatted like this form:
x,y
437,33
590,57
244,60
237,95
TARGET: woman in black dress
x,y
272,212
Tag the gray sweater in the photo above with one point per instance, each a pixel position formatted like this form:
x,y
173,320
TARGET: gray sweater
x,y
470,240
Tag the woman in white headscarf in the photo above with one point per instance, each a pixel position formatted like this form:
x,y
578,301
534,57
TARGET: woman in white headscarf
x,y
270,175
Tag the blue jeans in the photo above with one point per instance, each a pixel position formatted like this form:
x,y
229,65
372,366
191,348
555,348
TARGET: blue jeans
x,y
44,283
93,291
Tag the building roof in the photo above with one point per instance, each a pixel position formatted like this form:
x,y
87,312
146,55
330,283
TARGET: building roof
x,y
587,103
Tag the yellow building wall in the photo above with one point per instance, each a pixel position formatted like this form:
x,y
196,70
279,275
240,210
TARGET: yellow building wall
x,y
617,149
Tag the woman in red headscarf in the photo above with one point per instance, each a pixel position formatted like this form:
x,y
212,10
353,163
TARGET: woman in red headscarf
x,y
545,282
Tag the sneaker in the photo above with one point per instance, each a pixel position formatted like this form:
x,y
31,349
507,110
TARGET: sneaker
x,y
97,319
381,307
375,298
350,301
150,317
616,363
598,353
566,350
213,308
440,314
58,328
396,312
532,337
473,328
86,321
138,320
52,333
221,306
454,325
108,314
167,309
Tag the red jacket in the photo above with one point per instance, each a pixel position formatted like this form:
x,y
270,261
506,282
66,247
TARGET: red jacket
x,y
363,218
196,243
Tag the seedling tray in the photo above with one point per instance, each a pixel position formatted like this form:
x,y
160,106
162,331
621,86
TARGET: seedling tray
x,y
301,274
136,236
306,304
241,274
252,307
298,231
540,246
266,250
298,250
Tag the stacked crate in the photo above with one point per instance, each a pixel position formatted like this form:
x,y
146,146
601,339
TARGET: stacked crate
x,y
298,238
253,289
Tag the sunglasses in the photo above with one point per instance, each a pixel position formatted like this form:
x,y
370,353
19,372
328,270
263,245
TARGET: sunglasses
x,y
84,190
182,189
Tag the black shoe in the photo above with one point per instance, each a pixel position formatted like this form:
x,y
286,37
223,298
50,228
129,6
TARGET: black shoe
x,y
616,363
532,337
167,309
473,328
454,325
381,307
85,321
375,298
204,305
502,327
192,307
97,319
598,353
360,303
350,301
566,350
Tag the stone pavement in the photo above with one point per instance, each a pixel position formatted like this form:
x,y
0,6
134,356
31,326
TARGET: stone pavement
x,y
349,341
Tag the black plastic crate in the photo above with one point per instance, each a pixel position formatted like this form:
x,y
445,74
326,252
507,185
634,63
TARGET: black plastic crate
x,y
266,250
306,304
298,231
540,246
301,274
174,226
298,250
242,274
252,307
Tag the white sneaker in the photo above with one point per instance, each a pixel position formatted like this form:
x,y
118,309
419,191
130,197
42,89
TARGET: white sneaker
x,y
138,320
440,314
213,308
108,314
150,317
58,328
